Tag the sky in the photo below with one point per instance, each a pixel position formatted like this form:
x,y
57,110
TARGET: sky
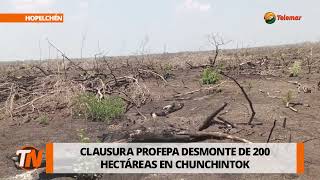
x,y
119,27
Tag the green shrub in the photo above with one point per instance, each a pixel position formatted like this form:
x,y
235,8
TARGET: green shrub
x,y
287,98
168,67
43,120
83,136
167,71
99,110
295,69
210,76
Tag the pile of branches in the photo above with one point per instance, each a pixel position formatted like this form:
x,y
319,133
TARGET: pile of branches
x,y
169,133
26,96
126,82
26,87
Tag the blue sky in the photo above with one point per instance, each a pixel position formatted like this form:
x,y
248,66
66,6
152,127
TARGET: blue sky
x,y
181,25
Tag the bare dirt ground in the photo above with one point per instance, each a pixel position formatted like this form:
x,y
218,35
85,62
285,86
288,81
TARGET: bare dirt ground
x,y
29,90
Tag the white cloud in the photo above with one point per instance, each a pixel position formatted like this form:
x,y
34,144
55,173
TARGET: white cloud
x,y
31,4
194,5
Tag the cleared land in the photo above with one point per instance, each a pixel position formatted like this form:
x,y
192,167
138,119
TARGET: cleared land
x,y
39,102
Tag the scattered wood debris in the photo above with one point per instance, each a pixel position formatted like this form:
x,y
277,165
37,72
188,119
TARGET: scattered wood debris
x,y
166,110
186,137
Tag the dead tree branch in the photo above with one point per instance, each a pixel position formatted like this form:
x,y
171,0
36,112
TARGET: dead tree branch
x,y
311,139
154,73
42,70
271,131
217,135
184,137
310,61
209,120
226,122
65,56
35,99
198,90
253,113
216,41
111,71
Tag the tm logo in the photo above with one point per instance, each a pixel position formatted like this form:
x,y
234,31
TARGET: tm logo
x,y
29,158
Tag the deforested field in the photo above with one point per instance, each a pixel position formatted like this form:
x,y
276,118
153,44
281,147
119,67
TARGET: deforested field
x,y
263,94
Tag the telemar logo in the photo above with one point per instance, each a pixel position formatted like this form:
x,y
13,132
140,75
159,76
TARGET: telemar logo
x,y
270,18
29,157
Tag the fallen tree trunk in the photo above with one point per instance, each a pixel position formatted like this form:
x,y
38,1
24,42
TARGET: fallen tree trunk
x,y
181,137
209,120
